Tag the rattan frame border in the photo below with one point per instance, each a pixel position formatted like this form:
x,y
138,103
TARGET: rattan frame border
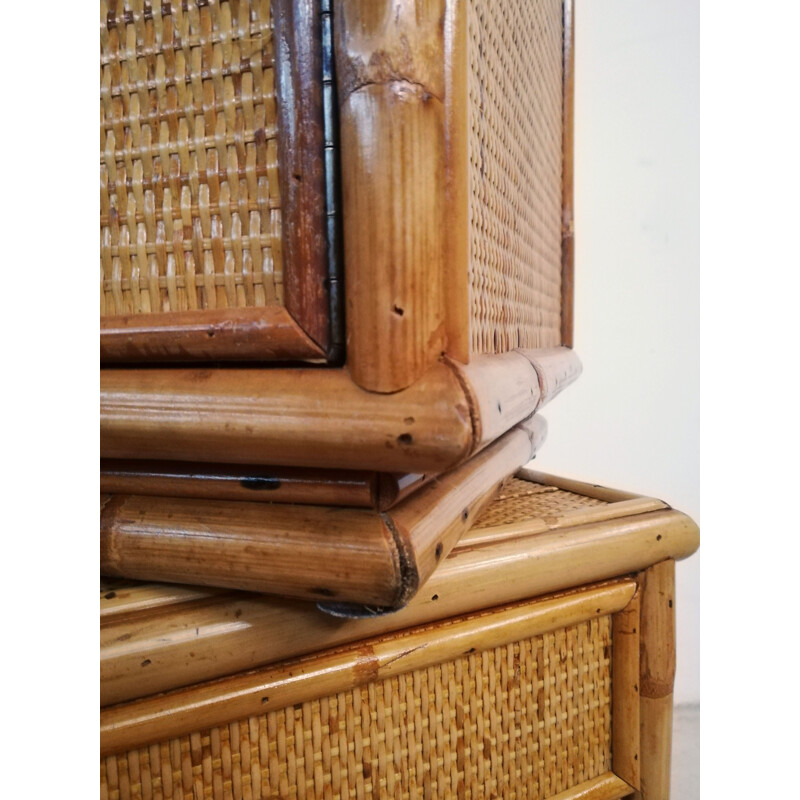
x,y
642,674
310,325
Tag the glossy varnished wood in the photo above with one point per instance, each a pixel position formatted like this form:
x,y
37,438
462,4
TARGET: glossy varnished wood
x,y
301,145
333,554
392,135
250,483
192,641
266,334
320,418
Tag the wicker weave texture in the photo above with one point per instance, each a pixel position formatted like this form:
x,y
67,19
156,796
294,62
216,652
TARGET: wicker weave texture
x,y
189,202
521,500
529,719
515,89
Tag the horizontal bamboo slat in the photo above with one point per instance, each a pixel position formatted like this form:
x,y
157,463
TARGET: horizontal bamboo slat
x,y
264,334
293,682
320,418
195,641
338,554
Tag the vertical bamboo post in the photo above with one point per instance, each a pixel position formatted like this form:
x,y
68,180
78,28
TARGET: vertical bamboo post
x,y
625,700
391,115
656,679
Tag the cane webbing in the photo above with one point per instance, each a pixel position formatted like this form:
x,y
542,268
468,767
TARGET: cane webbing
x,y
529,719
190,212
521,501
515,88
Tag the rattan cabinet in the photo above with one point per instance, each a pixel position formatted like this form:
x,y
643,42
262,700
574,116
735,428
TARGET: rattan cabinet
x,y
334,233
538,661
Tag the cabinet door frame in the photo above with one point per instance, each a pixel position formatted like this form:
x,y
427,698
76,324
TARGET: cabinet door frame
x,y
308,326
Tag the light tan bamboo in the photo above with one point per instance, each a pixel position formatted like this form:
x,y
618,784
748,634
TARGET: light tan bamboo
x,y
605,787
457,175
657,676
234,633
337,554
581,487
625,693
392,154
200,707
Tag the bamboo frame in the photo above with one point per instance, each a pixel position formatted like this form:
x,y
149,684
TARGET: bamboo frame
x,y
340,555
126,726
405,174
567,182
250,483
657,676
320,418
193,641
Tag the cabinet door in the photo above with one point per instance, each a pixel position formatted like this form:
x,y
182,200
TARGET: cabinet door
x,y
217,217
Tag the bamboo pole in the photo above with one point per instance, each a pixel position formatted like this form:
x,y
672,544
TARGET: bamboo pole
x,y
605,787
232,633
657,676
339,555
200,707
285,417
625,698
320,418
391,117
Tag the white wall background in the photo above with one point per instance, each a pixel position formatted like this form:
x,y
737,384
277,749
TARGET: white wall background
x,y
632,419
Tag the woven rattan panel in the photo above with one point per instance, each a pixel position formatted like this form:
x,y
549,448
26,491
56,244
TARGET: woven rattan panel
x,y
530,719
520,500
189,205
515,88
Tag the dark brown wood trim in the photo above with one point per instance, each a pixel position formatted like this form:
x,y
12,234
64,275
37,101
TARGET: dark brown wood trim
x,y
268,334
301,147
251,483
567,218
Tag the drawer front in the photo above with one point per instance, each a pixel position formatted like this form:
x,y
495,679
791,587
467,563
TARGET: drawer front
x,y
517,700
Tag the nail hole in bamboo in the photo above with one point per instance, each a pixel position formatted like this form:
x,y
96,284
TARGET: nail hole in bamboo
x,y
110,595
211,333
146,662
397,310
465,514
658,538
438,554
405,438
265,699
435,597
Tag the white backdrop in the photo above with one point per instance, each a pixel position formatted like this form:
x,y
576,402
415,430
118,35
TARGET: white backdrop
x,y
632,419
